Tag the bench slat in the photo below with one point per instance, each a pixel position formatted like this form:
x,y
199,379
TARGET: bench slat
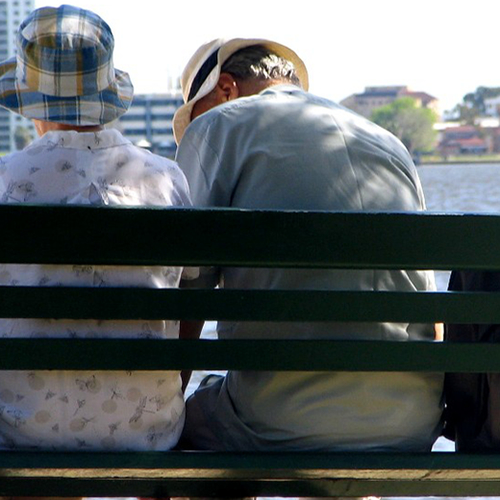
x,y
250,474
233,487
101,235
248,305
294,355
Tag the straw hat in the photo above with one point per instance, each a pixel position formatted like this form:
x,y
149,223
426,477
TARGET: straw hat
x,y
202,72
63,71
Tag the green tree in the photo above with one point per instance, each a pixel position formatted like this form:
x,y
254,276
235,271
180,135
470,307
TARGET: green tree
x,y
473,105
413,125
22,137
466,113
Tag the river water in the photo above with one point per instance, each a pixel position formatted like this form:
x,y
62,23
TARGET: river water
x,y
461,188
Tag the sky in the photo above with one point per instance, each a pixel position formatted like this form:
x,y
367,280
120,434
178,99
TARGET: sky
x,y
446,48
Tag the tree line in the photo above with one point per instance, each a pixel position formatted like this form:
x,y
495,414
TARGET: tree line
x,y
414,125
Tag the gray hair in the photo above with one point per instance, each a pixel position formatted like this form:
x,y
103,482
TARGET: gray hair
x,y
260,63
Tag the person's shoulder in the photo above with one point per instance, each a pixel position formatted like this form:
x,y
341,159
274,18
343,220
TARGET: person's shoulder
x,y
162,175
21,156
155,161
362,130
13,156
352,125
236,109
244,109
229,119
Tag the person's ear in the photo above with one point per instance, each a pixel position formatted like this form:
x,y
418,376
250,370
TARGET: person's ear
x,y
227,88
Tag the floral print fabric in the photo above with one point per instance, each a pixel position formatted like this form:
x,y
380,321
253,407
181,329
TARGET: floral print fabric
x,y
91,410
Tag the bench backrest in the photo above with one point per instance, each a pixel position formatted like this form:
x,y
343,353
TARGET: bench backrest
x,y
133,236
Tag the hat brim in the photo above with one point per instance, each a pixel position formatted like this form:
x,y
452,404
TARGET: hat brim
x,y
84,110
182,117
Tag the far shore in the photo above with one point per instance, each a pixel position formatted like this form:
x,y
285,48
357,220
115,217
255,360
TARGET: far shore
x,y
439,160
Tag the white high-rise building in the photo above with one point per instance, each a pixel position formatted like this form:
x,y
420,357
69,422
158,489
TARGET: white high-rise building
x,y
148,123
12,13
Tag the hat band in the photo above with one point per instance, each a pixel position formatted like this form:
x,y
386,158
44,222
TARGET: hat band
x,y
202,74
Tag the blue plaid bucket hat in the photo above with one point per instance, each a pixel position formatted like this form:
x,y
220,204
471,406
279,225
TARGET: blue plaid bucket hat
x,y
63,71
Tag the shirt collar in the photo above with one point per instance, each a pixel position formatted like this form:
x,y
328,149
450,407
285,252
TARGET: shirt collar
x,y
83,140
282,87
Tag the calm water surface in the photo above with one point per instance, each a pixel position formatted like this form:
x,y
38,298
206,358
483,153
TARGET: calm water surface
x,y
464,187
461,188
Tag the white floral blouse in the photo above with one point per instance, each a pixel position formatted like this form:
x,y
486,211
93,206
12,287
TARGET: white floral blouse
x,y
90,410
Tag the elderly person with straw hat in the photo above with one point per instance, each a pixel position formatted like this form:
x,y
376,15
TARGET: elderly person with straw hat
x,y
252,136
63,79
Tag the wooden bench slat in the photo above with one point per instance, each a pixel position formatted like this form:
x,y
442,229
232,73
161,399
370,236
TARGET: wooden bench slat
x,y
252,474
273,463
248,305
235,488
294,355
101,235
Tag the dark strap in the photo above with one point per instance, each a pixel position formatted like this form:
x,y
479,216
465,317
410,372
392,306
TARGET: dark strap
x,y
202,74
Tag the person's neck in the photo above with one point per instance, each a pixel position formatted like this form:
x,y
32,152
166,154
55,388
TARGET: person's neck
x,y
91,128
43,127
254,86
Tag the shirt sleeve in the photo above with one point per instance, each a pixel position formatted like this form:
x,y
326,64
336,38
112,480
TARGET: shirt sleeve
x,y
176,186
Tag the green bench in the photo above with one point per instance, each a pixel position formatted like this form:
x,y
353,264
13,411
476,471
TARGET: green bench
x,y
92,235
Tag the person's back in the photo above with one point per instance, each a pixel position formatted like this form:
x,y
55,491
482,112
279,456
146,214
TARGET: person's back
x,y
286,149
472,399
77,161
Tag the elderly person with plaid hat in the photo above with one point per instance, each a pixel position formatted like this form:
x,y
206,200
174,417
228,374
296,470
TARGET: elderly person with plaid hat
x,y
64,80
252,136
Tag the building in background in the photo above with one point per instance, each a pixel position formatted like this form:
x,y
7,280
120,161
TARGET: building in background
x,y
12,125
462,139
148,122
492,106
376,97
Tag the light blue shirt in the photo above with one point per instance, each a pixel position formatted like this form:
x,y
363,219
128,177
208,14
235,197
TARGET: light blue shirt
x,y
287,149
